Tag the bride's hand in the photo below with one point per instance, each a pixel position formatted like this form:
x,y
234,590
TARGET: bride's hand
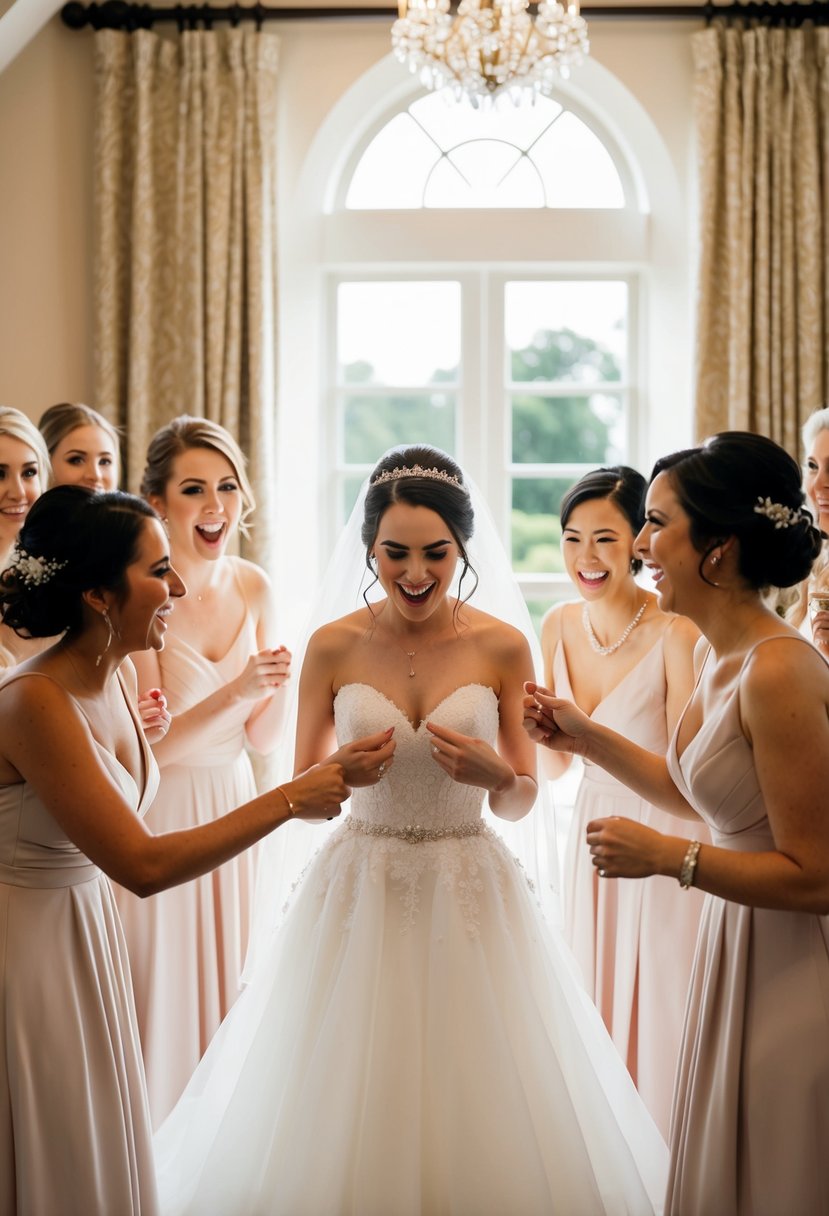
x,y
469,761
366,760
553,722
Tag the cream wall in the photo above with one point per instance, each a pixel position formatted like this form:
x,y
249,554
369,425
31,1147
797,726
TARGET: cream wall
x,y
45,221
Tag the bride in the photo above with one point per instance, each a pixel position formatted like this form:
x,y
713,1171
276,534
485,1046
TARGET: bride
x,y
414,1039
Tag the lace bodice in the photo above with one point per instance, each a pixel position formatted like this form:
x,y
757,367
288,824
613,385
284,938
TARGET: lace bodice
x,y
416,791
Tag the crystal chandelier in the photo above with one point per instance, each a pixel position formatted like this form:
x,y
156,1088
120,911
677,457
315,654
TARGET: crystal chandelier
x,y
491,46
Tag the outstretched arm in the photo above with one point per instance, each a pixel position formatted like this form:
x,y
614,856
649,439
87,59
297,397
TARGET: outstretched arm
x,y
560,726
365,760
87,802
784,695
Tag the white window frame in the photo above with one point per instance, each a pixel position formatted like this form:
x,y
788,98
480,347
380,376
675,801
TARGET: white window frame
x,y
649,243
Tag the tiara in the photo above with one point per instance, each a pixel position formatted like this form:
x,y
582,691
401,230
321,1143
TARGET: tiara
x,y
417,470
34,571
780,515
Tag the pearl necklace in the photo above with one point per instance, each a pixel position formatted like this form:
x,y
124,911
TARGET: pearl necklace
x,y
595,644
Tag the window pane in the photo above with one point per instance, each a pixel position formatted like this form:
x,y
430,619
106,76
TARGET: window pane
x,y
377,422
392,171
568,430
484,173
591,179
571,332
536,531
351,488
398,333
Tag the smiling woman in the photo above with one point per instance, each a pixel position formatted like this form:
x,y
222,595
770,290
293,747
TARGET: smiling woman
x,y
83,446
628,665
95,569
223,676
24,474
750,758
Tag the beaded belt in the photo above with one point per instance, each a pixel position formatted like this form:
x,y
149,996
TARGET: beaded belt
x,y
413,833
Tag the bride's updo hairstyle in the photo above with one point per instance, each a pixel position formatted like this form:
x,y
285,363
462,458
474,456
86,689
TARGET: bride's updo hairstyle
x,y
745,485
622,485
73,540
446,495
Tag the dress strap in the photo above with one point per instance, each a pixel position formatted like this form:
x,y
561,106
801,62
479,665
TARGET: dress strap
x,y
777,637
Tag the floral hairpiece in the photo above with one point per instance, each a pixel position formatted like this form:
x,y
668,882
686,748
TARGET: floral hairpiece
x,y
780,515
417,470
34,571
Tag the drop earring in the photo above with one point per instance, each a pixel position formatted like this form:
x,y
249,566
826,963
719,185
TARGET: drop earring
x,y
110,635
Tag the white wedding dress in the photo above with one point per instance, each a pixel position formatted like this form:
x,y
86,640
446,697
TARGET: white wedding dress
x,y
415,1041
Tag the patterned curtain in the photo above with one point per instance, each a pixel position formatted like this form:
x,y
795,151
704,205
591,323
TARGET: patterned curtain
x,y
762,110
185,267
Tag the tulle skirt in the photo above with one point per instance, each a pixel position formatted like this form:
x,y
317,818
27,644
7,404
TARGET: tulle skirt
x,y
414,1042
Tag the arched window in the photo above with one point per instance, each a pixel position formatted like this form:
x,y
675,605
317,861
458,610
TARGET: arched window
x,y
443,153
508,284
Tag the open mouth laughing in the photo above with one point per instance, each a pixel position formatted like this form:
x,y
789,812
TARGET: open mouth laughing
x,y
416,595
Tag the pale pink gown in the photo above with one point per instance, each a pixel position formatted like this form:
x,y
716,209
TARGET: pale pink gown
x,y
75,1136
751,1112
187,945
634,940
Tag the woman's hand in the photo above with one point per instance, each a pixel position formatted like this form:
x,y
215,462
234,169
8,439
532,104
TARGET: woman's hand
x,y
154,715
469,761
263,673
317,793
365,761
553,722
622,848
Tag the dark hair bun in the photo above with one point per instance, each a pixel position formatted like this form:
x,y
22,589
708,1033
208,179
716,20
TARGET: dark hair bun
x,y
89,538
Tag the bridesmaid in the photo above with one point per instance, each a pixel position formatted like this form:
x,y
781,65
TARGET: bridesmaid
x,y
75,1135
750,754
24,474
631,668
223,679
813,620
83,447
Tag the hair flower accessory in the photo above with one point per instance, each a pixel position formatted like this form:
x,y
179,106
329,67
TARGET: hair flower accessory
x,y
416,470
780,515
34,571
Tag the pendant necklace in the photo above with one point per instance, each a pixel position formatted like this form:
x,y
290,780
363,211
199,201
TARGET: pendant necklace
x,y
595,644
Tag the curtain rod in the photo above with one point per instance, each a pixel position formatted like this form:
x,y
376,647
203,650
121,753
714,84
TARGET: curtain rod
x,y
127,15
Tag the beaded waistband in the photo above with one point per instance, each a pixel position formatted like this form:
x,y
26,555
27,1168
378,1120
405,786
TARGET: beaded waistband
x,y
413,833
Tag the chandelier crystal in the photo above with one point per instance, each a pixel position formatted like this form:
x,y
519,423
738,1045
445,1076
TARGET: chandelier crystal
x,y
491,46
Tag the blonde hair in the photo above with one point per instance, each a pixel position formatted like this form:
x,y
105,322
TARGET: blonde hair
x,y
183,434
795,613
62,419
16,425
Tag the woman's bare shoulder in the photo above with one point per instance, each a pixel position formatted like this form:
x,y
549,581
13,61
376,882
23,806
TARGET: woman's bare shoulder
x,y
253,579
497,636
553,621
333,636
680,634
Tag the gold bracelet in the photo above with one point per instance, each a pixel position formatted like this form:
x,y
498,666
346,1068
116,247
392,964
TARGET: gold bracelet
x,y
687,871
291,809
